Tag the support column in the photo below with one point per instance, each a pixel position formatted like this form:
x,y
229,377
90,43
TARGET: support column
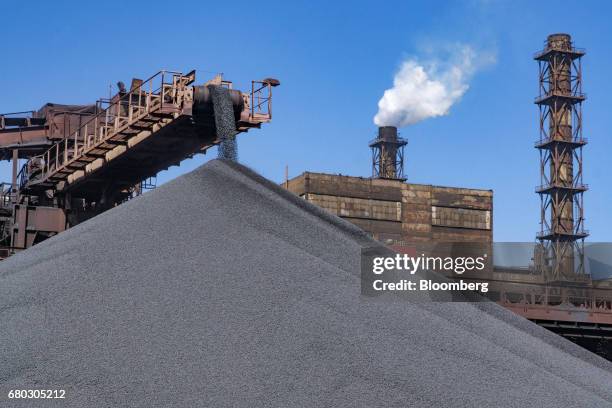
x,y
14,187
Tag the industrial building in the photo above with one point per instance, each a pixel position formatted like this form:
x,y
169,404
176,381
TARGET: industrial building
x,y
80,161
555,289
397,212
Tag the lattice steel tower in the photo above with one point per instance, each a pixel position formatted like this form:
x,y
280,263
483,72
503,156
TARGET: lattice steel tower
x,y
388,154
562,217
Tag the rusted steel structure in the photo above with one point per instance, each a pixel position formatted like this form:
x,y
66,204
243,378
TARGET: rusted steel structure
x,y
388,154
562,233
395,212
581,313
415,218
82,160
400,213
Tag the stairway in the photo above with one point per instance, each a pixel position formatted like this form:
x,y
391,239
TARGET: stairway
x,y
142,111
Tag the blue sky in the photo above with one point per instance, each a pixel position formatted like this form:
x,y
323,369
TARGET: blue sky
x,y
334,61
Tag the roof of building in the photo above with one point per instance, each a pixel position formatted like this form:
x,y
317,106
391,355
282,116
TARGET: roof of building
x,y
479,191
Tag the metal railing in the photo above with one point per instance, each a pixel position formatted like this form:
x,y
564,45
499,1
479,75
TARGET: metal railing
x,y
561,185
571,49
16,119
563,94
549,232
6,195
260,100
548,139
164,89
149,184
563,303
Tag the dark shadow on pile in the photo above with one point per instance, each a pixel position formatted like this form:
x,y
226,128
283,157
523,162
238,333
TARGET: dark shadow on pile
x,y
220,289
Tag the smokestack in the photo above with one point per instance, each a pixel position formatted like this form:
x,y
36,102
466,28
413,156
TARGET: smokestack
x,y
388,154
387,133
562,213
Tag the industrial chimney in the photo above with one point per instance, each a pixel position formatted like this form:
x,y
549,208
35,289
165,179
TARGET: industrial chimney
x,y
562,217
388,154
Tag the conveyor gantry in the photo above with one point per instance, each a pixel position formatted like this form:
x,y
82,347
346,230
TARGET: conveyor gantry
x,y
133,136
85,159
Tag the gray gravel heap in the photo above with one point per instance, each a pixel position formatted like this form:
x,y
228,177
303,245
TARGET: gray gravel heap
x,y
220,289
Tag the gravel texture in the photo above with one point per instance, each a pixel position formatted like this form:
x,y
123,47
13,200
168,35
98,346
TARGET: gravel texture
x,y
225,122
220,289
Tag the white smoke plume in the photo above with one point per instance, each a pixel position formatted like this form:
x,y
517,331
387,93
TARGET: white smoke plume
x,y
428,90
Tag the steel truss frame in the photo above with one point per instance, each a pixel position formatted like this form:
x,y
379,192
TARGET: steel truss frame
x,y
560,144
